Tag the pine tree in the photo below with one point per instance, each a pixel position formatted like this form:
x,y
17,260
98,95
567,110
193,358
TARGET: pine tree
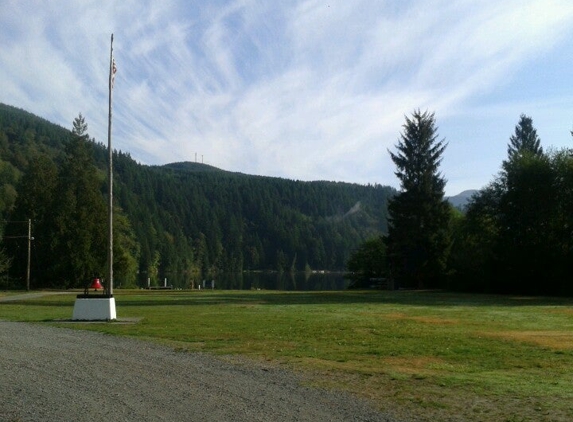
x,y
80,217
524,139
526,213
418,235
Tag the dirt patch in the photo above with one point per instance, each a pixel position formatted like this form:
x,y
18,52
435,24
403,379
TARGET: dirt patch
x,y
554,340
413,366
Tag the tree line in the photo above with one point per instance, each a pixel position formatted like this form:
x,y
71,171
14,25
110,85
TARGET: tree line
x,y
515,236
182,221
186,221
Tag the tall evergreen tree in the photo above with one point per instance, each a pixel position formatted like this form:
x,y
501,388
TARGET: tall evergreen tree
x,y
80,217
524,139
527,209
524,209
418,237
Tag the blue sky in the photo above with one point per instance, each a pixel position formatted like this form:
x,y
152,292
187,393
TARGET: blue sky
x,y
307,90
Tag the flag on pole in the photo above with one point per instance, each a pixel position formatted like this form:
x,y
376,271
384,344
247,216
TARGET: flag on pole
x,y
113,70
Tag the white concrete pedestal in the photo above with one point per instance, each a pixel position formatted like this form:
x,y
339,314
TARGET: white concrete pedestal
x,y
94,309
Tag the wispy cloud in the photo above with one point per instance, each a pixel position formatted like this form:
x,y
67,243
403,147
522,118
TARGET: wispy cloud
x,y
300,89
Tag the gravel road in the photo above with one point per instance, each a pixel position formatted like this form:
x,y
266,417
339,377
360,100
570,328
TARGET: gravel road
x,y
56,374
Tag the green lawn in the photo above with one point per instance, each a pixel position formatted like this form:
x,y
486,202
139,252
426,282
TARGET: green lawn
x,y
434,355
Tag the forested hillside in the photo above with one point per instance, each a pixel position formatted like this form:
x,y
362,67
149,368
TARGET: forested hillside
x,y
181,220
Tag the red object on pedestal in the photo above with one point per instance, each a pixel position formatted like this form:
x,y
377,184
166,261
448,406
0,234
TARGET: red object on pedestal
x,y
96,284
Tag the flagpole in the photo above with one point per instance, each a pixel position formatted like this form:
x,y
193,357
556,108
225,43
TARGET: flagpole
x,y
110,178
102,307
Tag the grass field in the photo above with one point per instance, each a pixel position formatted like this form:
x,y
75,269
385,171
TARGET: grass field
x,y
431,356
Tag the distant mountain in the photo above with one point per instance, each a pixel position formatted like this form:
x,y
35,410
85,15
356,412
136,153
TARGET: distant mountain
x,y
461,199
189,218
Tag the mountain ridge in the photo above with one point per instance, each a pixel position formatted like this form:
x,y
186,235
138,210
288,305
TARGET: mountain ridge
x,y
461,200
191,219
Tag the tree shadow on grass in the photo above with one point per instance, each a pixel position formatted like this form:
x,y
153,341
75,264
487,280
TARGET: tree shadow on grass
x,y
411,297
274,298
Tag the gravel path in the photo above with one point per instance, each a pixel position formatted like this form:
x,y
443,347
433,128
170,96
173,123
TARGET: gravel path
x,y
56,374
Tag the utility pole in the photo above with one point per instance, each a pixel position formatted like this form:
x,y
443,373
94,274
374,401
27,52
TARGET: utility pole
x,y
29,254
30,238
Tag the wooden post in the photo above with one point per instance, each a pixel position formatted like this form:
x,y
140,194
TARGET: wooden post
x,y
29,254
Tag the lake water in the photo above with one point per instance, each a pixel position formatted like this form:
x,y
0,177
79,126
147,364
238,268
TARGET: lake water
x,y
299,281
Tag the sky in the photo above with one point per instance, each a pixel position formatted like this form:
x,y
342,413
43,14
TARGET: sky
x,y
304,90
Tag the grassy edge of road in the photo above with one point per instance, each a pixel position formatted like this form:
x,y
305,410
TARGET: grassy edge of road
x,y
417,355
